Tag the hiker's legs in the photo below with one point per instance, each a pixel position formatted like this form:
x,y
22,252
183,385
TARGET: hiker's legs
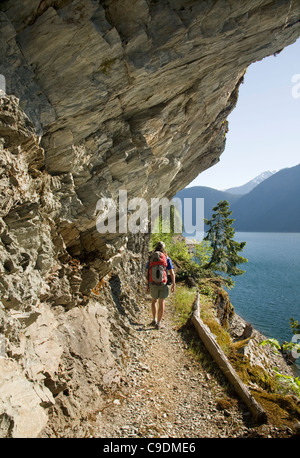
x,y
161,309
164,293
159,292
154,291
154,308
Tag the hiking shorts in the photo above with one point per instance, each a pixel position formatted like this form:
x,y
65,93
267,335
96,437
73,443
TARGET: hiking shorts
x,y
159,291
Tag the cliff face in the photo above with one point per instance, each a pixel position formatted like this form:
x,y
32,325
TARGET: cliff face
x,y
112,95
66,332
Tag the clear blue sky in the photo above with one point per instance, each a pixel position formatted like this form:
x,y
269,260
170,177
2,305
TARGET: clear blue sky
x,y
264,128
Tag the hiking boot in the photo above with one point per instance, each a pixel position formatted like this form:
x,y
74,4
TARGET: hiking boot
x,y
159,325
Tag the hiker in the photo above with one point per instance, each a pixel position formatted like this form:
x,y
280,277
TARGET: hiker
x,y
158,266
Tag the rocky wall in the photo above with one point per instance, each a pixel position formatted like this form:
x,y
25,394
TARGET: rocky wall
x,y
102,96
64,328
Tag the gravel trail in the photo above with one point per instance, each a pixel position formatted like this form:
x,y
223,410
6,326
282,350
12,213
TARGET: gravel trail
x,y
166,392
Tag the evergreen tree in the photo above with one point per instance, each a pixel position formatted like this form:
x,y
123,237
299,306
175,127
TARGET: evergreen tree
x,y
225,257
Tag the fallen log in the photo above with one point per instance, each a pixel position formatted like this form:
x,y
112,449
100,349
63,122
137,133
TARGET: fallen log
x,y
220,358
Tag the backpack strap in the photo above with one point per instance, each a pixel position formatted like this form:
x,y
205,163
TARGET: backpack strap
x,y
148,275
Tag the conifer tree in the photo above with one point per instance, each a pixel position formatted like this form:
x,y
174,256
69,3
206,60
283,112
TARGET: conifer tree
x,y
225,251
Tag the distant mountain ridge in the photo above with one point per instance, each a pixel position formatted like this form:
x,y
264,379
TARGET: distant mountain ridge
x,y
211,198
247,187
273,205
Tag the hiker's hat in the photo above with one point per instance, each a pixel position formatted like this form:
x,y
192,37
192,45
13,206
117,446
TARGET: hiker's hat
x,y
160,246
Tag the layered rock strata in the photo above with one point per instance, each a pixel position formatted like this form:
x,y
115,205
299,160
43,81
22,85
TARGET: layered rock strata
x,y
110,95
64,329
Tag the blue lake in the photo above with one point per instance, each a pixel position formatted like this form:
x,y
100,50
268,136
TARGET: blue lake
x,y
268,294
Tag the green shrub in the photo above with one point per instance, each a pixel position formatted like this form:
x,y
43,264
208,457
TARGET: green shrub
x,y
183,302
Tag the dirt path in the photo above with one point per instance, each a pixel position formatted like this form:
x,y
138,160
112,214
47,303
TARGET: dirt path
x,y
166,393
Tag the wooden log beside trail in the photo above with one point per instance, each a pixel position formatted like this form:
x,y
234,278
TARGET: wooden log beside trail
x,y
220,358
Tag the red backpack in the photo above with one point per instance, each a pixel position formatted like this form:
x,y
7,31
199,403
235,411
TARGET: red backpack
x,y
158,268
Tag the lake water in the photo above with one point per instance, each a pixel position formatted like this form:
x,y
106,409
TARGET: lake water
x,y
268,294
